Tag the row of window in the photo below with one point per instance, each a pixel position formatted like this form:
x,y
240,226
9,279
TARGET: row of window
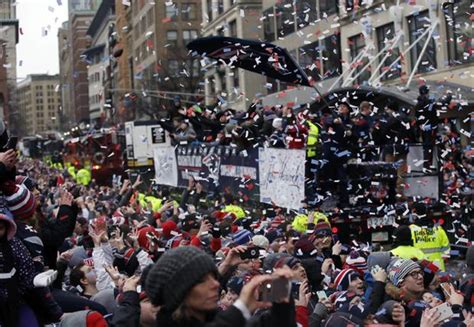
x,y
145,22
322,59
289,16
145,49
217,8
94,99
94,78
173,40
230,27
188,11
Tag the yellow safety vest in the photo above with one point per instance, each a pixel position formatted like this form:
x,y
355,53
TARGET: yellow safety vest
x,y
300,223
312,140
408,252
83,176
236,210
433,242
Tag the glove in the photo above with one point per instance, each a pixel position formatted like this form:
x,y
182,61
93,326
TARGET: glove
x,y
45,279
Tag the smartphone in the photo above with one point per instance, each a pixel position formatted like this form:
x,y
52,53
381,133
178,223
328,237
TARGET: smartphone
x,y
445,311
446,290
11,143
295,290
250,253
321,295
276,290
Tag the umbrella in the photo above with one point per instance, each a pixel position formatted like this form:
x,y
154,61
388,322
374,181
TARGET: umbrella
x,y
259,57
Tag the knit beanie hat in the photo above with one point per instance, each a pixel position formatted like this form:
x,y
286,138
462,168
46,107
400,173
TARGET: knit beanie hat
x,y
242,237
235,284
287,261
429,270
270,260
344,278
322,228
169,226
384,314
356,262
304,248
274,234
260,241
25,180
175,273
381,259
7,217
399,268
20,201
403,235
146,236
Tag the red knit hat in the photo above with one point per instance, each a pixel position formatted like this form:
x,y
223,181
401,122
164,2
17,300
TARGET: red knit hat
x,y
143,239
95,319
344,278
20,201
169,226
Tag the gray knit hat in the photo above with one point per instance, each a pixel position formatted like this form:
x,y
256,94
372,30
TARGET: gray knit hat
x,y
175,273
399,268
381,259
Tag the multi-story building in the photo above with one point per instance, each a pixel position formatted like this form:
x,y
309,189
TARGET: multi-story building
x,y
81,13
344,43
9,37
98,61
239,19
123,63
66,117
39,101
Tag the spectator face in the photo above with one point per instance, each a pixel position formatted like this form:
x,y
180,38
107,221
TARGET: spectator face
x,y
366,110
229,298
300,272
89,275
413,282
322,242
343,110
147,312
357,286
290,244
203,297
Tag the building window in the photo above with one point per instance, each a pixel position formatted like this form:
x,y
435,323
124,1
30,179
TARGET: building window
x,y
173,67
189,35
321,59
385,37
308,59
459,40
143,25
305,13
172,38
150,17
233,28
269,25
327,7
220,6
189,11
170,12
331,56
285,18
356,46
417,25
209,10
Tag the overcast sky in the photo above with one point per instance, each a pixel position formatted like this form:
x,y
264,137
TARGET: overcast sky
x,y
38,53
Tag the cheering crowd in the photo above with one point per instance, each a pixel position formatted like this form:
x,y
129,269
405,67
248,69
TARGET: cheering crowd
x,y
89,255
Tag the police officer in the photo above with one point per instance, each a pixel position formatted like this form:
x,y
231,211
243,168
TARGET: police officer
x,y
430,238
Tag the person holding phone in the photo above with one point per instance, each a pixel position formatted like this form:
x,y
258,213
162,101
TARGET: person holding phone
x,y
184,283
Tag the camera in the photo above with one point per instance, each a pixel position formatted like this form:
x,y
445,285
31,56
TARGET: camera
x,y
250,253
